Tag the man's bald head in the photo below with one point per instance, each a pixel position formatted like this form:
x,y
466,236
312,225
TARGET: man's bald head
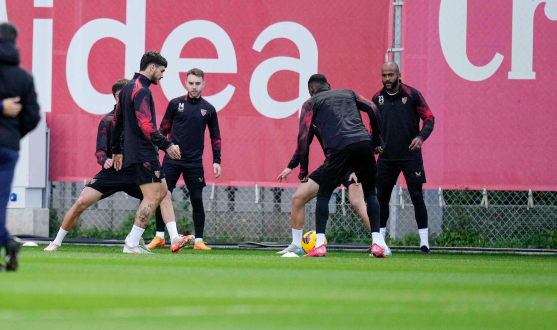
x,y
390,66
390,74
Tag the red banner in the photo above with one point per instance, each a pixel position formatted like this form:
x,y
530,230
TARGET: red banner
x,y
257,55
488,71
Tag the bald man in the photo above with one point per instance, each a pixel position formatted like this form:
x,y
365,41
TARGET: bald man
x,y
401,108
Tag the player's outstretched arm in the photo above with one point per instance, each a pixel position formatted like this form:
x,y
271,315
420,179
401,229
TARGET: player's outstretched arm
x,y
304,138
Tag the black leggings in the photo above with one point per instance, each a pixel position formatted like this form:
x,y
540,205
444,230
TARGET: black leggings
x,y
416,195
196,198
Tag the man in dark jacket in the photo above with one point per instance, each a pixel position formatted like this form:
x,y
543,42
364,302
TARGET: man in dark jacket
x,y
335,114
16,84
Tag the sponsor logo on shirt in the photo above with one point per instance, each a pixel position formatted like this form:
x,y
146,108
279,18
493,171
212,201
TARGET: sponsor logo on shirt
x,y
200,179
203,112
181,107
418,174
404,99
92,181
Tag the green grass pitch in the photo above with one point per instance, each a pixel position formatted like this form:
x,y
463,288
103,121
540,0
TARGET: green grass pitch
x,y
85,287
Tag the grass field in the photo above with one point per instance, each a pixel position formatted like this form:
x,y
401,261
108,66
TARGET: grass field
x,y
101,288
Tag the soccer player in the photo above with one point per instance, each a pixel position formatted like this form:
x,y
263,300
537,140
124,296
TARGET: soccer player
x,y
347,143
135,116
185,120
401,108
107,182
19,114
308,190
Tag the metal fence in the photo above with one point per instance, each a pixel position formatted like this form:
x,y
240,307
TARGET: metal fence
x,y
236,214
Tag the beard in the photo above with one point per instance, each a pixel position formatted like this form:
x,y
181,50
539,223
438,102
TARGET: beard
x,y
394,85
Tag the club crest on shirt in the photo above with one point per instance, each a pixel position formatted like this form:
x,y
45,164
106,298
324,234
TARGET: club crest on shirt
x,y
181,107
404,99
158,174
381,100
203,112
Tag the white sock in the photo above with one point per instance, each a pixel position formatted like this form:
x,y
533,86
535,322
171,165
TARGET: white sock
x,y
383,231
172,230
160,234
198,239
135,235
378,239
424,237
60,237
297,237
319,240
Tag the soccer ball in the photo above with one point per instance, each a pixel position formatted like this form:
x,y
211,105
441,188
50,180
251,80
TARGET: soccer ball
x,y
308,241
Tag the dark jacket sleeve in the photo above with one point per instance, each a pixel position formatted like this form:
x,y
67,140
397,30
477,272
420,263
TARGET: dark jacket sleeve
x,y
102,141
29,116
214,134
142,107
168,119
371,109
427,116
118,122
304,137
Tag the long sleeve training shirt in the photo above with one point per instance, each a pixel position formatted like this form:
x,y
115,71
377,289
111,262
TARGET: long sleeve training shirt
x,y
400,122
135,116
185,122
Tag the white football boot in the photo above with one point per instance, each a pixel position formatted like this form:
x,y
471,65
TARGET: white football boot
x,y
139,249
52,247
292,248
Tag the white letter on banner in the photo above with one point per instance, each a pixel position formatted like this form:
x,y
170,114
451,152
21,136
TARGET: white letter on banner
x,y
225,63
523,36
305,66
452,34
132,34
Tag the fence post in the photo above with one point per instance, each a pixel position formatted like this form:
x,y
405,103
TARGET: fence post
x,y
485,201
530,199
396,50
342,201
441,198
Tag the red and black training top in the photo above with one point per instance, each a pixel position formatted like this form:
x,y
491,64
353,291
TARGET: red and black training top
x,y
135,115
185,122
400,122
337,119
104,138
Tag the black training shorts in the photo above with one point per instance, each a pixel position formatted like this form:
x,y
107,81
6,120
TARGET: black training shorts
x,y
110,181
317,176
360,157
147,172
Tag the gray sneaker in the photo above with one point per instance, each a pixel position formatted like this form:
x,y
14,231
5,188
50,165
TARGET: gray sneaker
x,y
139,249
292,248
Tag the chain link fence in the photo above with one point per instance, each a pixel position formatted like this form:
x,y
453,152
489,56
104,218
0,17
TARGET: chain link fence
x,y
237,214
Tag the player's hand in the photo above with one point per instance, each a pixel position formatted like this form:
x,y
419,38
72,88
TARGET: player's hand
x,y
305,179
284,175
378,150
107,164
12,107
354,178
117,161
217,169
416,144
174,152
